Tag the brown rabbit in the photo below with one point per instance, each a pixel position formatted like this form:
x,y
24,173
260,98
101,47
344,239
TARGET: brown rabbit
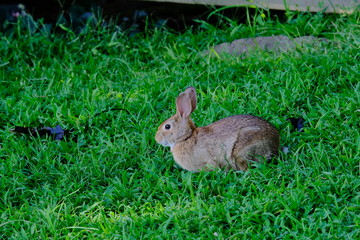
x,y
228,143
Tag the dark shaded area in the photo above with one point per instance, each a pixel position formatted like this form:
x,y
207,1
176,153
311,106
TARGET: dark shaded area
x,y
297,123
126,13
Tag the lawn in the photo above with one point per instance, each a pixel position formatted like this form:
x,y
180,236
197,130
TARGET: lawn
x,y
110,180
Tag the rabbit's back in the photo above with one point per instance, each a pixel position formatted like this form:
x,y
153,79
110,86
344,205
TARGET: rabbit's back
x,y
232,126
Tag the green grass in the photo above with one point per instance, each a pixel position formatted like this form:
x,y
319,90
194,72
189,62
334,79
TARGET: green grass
x,y
115,182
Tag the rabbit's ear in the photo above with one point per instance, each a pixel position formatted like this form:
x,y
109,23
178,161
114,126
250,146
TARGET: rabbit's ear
x,y
183,105
191,91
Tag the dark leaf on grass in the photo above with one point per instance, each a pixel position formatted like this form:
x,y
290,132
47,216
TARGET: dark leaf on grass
x,y
298,123
57,132
25,130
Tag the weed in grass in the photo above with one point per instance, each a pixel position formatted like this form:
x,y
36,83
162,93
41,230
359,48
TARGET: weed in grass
x,y
115,182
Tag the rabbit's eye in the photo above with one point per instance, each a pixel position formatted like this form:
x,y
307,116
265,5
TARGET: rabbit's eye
x,y
167,126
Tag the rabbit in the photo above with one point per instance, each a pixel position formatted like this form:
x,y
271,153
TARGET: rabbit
x,y
229,143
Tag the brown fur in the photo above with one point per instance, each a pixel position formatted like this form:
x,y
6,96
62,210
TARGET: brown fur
x,y
229,143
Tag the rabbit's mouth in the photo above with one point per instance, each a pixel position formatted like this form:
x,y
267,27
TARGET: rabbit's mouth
x,y
164,143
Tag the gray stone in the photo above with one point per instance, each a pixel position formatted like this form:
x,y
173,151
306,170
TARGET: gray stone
x,y
276,44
